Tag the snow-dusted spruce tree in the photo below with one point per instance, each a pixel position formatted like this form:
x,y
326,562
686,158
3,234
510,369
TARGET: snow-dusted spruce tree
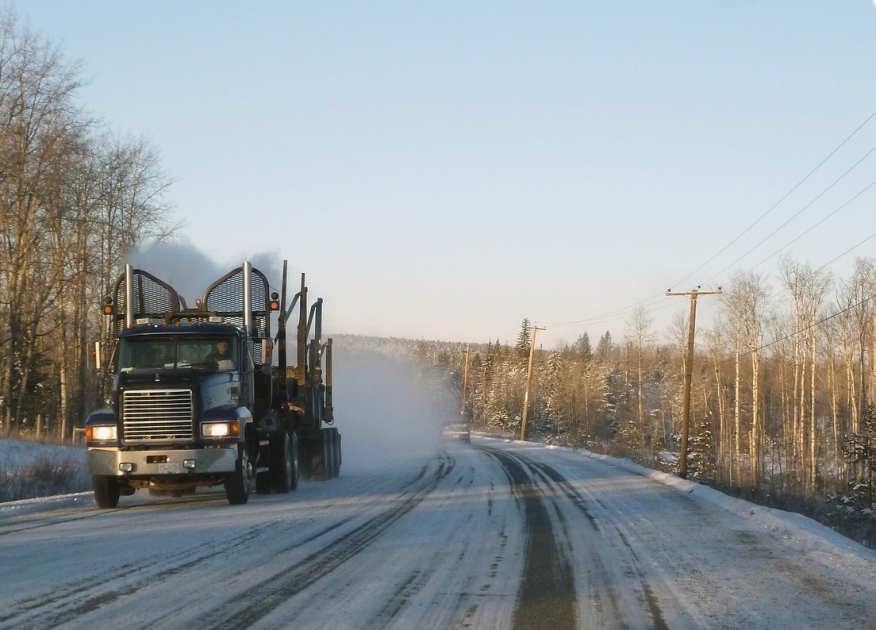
x,y
552,418
860,452
702,457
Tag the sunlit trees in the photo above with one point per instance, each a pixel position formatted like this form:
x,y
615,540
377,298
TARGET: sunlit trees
x,y
39,126
807,288
745,303
75,200
639,338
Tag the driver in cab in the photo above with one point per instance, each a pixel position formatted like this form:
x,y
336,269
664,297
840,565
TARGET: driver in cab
x,y
220,358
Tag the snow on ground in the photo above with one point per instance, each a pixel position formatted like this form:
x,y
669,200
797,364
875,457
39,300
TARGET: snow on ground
x,y
18,454
435,539
363,451
801,534
807,533
723,562
418,532
33,469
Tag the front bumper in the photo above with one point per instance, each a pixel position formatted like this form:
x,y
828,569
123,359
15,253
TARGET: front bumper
x,y
103,461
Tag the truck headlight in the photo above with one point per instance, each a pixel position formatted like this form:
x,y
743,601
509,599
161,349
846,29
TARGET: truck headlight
x,y
220,429
101,433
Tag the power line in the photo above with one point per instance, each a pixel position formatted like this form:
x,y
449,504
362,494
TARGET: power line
x,y
620,313
609,316
815,226
798,213
785,196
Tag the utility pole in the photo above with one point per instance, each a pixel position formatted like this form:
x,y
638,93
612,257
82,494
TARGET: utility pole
x,y
535,330
464,382
688,374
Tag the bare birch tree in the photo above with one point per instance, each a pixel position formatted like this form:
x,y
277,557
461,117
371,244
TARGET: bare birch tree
x,y
38,119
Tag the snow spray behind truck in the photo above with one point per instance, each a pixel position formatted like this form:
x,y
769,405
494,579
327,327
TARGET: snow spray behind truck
x,y
197,399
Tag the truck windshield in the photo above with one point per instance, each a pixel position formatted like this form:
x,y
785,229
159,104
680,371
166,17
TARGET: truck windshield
x,y
201,353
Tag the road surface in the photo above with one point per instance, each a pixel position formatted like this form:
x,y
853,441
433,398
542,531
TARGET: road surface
x,y
493,535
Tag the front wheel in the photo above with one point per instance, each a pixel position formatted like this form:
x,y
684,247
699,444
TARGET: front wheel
x,y
239,484
106,491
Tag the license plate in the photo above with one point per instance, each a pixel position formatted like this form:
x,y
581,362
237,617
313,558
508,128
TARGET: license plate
x,y
168,469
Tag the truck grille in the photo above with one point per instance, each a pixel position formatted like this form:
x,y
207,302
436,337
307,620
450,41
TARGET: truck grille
x,y
157,415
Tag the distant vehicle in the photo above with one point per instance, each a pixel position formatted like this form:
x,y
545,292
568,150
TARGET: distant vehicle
x,y
457,431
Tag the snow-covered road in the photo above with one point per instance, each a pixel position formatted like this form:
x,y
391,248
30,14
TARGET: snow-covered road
x,y
493,535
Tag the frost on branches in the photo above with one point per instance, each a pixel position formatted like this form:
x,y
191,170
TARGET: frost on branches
x,y
860,452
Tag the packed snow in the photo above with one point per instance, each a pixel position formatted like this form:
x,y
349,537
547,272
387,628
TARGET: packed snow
x,y
420,532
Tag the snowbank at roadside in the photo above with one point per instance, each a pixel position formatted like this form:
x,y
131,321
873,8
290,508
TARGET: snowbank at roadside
x,y
20,453
30,470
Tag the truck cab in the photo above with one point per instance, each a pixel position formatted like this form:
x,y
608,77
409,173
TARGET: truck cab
x,y
180,415
196,398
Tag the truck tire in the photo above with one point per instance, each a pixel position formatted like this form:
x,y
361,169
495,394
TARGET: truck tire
x,y
296,461
336,452
328,438
321,468
239,484
305,458
263,483
284,462
106,491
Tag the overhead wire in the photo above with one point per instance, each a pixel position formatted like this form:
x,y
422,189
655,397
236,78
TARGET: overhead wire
x,y
785,196
805,232
626,311
799,212
868,187
610,315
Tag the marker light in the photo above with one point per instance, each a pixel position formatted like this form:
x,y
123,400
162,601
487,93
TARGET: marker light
x,y
126,467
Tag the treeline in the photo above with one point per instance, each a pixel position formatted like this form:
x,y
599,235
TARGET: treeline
x,y
75,199
782,388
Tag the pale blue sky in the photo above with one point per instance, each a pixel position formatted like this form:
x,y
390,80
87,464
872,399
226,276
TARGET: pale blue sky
x,y
443,170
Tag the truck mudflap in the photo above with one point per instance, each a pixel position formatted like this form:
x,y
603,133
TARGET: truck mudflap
x,y
112,462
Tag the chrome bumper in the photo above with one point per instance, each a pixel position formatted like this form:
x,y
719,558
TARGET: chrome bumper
x,y
170,462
